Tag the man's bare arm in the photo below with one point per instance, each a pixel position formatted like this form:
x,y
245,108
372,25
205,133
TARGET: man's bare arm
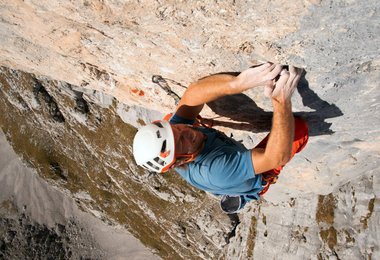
x,y
279,145
216,86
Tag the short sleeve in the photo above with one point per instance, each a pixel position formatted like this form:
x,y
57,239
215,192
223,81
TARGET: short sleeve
x,y
176,119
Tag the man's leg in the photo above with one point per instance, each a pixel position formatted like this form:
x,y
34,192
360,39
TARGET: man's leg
x,y
301,136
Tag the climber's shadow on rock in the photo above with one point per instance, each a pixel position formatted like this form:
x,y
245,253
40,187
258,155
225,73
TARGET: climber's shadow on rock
x,y
323,110
241,108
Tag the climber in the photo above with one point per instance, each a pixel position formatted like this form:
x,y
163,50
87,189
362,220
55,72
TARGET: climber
x,y
211,161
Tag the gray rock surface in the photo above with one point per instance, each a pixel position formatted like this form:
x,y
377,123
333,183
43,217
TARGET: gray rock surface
x,y
326,202
38,221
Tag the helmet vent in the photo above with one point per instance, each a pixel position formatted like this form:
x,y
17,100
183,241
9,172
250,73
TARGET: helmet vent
x,y
153,166
158,124
159,161
163,148
158,134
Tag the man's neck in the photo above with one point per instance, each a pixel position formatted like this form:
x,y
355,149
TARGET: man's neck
x,y
192,157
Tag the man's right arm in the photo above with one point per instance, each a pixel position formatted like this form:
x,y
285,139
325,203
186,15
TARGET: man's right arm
x,y
213,87
278,148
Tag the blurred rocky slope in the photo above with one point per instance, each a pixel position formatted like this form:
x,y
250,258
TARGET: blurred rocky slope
x,y
40,221
326,202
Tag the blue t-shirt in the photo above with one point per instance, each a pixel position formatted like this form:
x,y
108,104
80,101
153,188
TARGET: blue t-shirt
x,y
224,166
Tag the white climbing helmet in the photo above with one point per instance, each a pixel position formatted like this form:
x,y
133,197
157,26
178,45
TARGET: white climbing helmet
x,y
153,147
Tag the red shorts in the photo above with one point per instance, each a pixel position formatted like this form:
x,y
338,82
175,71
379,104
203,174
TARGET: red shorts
x,y
301,136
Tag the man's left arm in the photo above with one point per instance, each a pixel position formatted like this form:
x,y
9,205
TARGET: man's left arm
x,y
216,86
279,146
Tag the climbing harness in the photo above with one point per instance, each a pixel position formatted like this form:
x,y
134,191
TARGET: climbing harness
x,y
269,178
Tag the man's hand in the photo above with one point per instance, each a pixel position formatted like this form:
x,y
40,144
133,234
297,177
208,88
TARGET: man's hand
x,y
284,88
262,75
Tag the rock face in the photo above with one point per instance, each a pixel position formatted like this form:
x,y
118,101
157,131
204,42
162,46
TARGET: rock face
x,y
21,238
89,154
38,220
74,73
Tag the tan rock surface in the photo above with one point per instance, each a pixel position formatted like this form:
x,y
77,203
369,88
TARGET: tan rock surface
x,y
116,47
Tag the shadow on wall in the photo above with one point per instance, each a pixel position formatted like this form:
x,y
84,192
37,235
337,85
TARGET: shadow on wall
x,y
241,108
323,110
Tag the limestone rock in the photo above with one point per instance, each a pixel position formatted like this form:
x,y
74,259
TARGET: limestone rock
x,y
326,202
